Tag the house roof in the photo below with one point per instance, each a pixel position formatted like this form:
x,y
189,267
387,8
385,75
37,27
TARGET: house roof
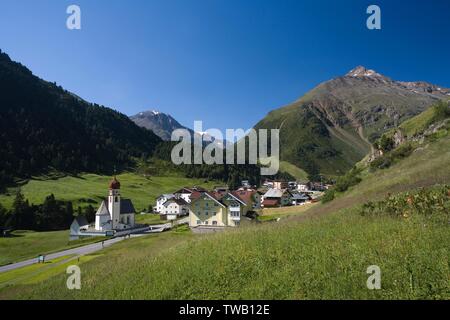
x,y
190,190
209,195
178,201
245,195
274,193
300,196
195,195
81,220
235,197
167,196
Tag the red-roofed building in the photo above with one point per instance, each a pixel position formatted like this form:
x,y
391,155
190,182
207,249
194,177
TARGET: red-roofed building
x,y
271,203
250,196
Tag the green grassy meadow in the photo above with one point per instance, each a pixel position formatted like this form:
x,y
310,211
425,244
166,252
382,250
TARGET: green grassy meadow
x,y
317,259
91,189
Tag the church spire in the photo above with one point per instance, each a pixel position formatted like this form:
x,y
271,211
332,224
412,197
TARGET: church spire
x,y
114,184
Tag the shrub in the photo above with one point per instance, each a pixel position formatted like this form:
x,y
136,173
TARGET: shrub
x,y
328,196
432,202
386,143
388,159
350,179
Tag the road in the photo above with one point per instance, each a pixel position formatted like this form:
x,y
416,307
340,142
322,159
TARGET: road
x,y
87,249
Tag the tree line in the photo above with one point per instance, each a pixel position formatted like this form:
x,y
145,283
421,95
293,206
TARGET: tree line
x,y
51,215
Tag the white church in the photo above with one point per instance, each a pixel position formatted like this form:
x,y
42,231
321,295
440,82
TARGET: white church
x,y
114,212
115,215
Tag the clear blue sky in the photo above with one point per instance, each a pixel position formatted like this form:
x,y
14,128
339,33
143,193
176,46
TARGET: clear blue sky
x,y
226,62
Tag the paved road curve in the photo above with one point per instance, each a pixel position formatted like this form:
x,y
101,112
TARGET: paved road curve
x,y
79,250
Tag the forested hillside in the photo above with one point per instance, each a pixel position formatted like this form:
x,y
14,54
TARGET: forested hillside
x,y
46,127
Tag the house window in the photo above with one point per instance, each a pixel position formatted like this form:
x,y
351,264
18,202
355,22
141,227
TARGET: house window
x,y
214,223
116,199
199,222
206,213
206,222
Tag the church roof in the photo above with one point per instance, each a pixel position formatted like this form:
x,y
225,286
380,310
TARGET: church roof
x,y
126,206
103,209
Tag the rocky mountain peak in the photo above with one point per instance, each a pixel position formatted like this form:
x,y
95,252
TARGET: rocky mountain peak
x,y
361,71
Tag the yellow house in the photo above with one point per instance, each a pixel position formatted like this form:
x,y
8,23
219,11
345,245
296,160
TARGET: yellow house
x,y
216,210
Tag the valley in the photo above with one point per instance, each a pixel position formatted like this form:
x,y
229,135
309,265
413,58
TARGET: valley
x,y
316,252
374,140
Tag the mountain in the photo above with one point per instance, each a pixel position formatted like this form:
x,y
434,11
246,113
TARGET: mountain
x,y
163,125
160,123
333,126
45,127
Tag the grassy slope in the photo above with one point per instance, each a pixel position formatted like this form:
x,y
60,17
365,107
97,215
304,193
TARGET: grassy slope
x,y
28,244
110,262
91,187
293,170
318,258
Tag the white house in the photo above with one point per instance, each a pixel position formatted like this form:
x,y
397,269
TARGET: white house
x,y
114,212
161,200
175,208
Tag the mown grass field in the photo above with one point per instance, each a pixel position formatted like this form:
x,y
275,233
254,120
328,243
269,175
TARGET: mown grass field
x,y
321,253
91,189
29,244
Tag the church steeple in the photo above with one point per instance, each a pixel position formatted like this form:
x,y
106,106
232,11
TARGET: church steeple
x,y
114,201
114,184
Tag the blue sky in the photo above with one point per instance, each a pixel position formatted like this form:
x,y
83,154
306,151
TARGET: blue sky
x,y
226,62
